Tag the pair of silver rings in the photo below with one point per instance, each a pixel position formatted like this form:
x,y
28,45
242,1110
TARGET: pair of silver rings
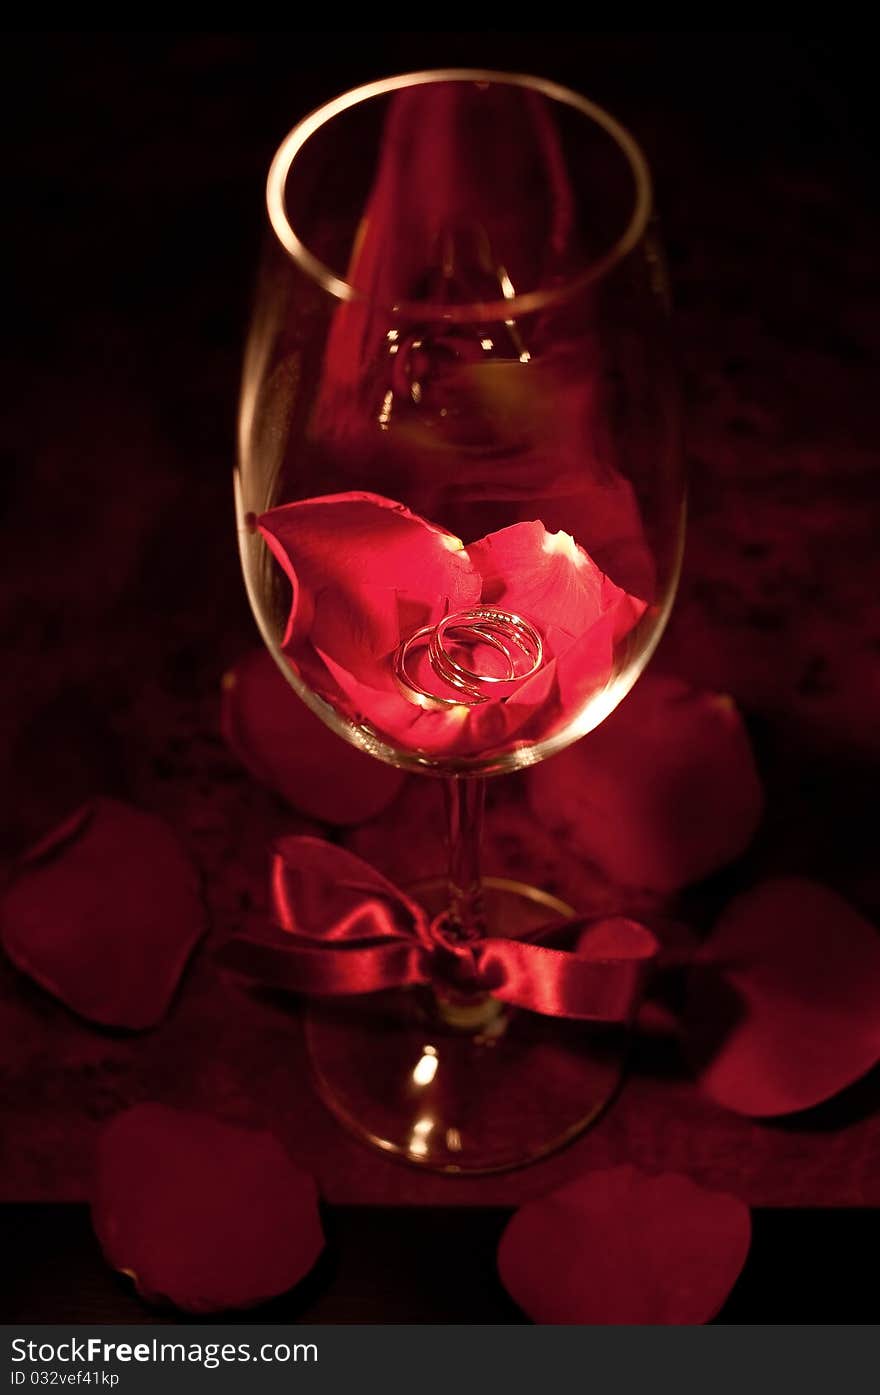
x,y
508,634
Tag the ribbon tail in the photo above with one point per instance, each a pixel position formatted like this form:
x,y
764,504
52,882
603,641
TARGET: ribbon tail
x,y
324,893
559,983
282,962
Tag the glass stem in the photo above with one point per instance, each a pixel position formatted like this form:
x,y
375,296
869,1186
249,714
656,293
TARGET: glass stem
x,y
465,802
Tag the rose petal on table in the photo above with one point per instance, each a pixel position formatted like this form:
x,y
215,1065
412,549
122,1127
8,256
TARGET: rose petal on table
x,y
285,746
622,1247
784,1001
105,913
616,937
200,1213
662,793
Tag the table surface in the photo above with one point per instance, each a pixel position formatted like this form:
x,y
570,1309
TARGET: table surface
x,y
137,179
431,1265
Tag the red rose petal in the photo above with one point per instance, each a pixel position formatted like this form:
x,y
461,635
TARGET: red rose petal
x,y
616,937
584,664
202,1214
552,581
456,731
285,746
620,1247
366,572
105,914
349,553
663,793
544,576
784,1004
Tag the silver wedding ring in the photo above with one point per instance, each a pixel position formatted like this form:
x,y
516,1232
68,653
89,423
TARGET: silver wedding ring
x,y
508,634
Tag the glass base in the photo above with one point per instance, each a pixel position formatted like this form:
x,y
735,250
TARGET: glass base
x,y
464,1088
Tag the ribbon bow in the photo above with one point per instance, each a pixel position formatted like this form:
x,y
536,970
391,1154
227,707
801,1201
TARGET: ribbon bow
x,y
343,928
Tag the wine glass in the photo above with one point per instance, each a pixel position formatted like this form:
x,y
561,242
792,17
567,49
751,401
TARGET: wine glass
x,y
460,510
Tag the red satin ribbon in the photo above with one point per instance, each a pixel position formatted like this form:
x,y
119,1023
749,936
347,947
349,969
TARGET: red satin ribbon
x,y
343,928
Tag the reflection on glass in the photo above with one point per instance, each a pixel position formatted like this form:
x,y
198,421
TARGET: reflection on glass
x,y
426,1067
418,1145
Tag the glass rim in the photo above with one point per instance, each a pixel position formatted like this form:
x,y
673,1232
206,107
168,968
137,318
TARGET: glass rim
x,y
504,308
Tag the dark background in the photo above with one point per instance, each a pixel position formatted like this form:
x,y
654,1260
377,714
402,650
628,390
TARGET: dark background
x,y
134,182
